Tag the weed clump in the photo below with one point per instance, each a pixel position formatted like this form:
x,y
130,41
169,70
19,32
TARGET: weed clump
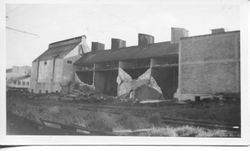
x,y
129,121
155,119
101,122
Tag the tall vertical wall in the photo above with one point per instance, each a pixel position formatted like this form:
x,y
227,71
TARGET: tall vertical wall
x,y
33,77
44,78
209,64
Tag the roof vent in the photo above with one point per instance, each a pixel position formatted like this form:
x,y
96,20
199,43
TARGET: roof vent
x,y
117,43
177,34
96,46
218,30
144,39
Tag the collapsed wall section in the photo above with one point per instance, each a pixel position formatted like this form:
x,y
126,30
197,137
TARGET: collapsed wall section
x,y
167,78
105,75
85,77
137,82
105,82
165,72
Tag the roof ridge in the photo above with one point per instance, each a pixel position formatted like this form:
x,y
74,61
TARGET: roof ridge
x,y
196,36
67,39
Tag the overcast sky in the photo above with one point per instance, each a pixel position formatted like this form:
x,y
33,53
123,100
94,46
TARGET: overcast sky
x,y
103,21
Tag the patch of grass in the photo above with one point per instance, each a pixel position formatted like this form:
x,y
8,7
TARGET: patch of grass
x,y
101,122
129,121
188,131
156,131
155,119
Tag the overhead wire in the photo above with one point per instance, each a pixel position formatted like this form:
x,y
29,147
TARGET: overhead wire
x,y
21,31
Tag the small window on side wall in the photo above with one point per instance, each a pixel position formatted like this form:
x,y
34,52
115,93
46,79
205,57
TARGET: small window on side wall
x,y
45,62
69,61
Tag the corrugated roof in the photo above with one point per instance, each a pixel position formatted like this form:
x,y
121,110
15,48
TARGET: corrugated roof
x,y
60,48
127,53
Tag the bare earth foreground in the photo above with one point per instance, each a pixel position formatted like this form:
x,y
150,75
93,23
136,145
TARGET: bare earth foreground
x,y
49,115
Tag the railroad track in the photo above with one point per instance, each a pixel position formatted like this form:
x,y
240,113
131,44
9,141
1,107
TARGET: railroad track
x,y
74,128
141,111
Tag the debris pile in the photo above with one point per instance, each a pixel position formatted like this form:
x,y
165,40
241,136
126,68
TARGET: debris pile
x,y
130,91
79,92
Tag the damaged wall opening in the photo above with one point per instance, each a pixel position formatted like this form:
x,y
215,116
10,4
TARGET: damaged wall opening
x,y
105,82
135,73
167,79
85,76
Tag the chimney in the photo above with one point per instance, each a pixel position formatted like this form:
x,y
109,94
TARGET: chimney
x,y
218,30
96,46
177,33
144,39
83,45
117,43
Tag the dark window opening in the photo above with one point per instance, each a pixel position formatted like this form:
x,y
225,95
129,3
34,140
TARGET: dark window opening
x,y
23,83
136,73
105,81
40,91
45,62
86,77
69,62
18,82
27,83
167,79
15,82
46,91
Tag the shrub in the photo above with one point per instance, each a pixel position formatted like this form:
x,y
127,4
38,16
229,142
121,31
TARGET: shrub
x,y
101,122
159,132
155,119
187,131
129,121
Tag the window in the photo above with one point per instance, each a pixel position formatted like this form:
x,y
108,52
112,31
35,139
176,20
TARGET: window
x,y
69,62
23,83
27,83
46,91
45,62
14,82
18,82
40,91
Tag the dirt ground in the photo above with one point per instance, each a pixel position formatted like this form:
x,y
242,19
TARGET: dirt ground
x,y
78,113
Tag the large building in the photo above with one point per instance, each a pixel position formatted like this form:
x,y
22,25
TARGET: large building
x,y
146,71
18,77
54,70
209,64
184,67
